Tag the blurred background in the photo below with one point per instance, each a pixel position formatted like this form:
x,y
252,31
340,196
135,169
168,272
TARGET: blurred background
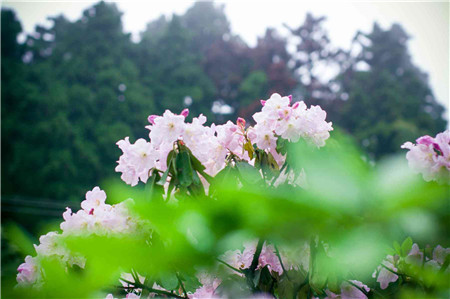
x,y
78,76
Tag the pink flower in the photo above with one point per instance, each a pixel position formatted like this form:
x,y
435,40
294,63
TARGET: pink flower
x,y
263,137
290,129
136,161
243,260
151,119
275,104
426,140
185,112
94,199
415,256
430,157
204,292
440,254
167,128
420,159
241,122
384,275
28,271
50,244
349,291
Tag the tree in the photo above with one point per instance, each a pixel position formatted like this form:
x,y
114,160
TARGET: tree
x,y
270,72
314,58
389,99
79,92
174,73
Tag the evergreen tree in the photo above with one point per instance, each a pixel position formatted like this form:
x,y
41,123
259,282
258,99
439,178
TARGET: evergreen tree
x,y
314,57
173,73
389,99
270,73
78,94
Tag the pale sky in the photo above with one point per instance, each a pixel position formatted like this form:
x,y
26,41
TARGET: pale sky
x,y
426,22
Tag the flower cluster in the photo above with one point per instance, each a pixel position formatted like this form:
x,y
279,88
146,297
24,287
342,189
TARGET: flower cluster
x,y
279,118
243,260
208,144
212,144
430,156
95,217
387,272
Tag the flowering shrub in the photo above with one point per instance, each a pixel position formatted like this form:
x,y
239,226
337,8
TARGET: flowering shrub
x,y
430,156
297,211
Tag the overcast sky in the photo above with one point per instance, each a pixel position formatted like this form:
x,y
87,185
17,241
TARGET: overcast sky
x,y
426,22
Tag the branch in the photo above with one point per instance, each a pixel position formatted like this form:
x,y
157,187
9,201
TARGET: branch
x,y
250,273
152,290
255,260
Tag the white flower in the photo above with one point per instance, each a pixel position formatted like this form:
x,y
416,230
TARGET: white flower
x,y
94,199
136,161
264,137
430,157
169,128
28,271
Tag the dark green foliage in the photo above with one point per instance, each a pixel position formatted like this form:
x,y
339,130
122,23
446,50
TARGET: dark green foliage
x,y
390,102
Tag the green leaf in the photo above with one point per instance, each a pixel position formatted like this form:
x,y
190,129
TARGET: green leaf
x,y
169,281
397,248
248,173
281,146
286,288
249,148
265,282
272,161
406,246
170,189
191,283
333,283
170,157
196,164
196,178
163,179
320,270
152,188
184,168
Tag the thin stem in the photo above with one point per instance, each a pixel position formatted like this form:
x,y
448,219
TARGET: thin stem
x,y
277,252
255,260
390,270
359,288
229,266
250,273
152,290
182,285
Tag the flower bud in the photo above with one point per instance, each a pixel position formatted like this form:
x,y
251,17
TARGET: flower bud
x,y
427,140
241,122
185,112
151,118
